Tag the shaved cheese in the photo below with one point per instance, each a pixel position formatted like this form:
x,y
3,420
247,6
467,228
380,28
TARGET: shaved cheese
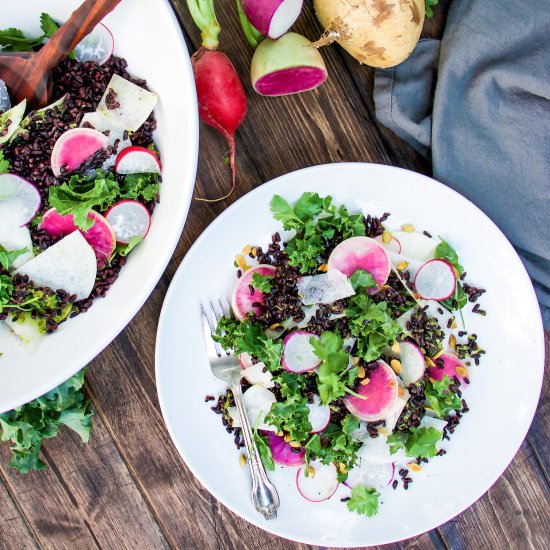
x,y
325,288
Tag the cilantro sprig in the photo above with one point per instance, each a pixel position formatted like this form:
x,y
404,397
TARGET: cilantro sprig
x,y
418,442
363,501
440,398
262,282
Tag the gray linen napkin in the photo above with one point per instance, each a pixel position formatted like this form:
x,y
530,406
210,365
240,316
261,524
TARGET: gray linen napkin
x,y
490,124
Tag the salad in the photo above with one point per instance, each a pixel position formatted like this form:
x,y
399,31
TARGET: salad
x,y
79,180
354,365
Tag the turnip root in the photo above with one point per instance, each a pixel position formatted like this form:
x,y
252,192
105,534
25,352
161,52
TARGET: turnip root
x,y
287,66
272,17
380,33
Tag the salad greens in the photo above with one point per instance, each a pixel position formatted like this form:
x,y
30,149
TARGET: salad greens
x,y
4,164
418,442
364,501
262,282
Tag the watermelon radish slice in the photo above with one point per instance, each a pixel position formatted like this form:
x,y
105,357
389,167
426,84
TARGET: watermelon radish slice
x,y
416,246
11,120
242,299
435,280
371,474
361,253
98,46
255,375
16,238
450,364
379,394
283,453
298,353
320,486
257,401
325,288
129,219
19,201
393,246
5,103
319,415
69,264
413,363
75,146
137,160
100,236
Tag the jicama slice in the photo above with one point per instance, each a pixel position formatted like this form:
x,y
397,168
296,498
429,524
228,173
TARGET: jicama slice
x,y
413,363
27,330
324,288
19,201
17,238
371,474
298,353
257,402
416,246
393,415
321,482
258,375
10,121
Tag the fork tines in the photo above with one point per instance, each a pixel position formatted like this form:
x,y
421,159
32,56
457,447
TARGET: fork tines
x,y
217,310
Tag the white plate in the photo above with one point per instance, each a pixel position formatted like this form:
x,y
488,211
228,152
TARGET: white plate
x,y
502,396
148,35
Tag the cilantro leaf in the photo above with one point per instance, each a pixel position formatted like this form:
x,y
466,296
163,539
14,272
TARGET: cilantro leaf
x,y
457,301
48,25
283,212
397,440
125,249
292,416
419,442
363,501
291,384
14,40
440,398
362,279
444,251
7,258
4,164
262,282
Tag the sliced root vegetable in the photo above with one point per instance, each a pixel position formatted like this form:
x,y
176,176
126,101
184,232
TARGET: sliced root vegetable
x,y
393,245
5,103
405,264
453,367
435,280
413,363
242,299
288,65
258,375
28,331
298,353
320,484
11,120
319,415
98,46
416,246
324,288
69,264
5,331
246,360
17,238
378,395
100,236
283,453
377,450
126,105
19,201
272,17
393,415
361,253
257,402
137,160
371,474
74,147
128,219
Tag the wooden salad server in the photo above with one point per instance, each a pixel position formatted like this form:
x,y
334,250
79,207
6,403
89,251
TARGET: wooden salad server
x,y
27,76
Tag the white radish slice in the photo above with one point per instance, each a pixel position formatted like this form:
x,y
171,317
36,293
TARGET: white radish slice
x,y
242,299
135,104
272,17
377,450
319,415
257,402
137,160
325,288
405,264
371,474
74,147
255,375
403,396
98,46
393,246
416,246
10,121
298,353
320,486
17,238
413,363
19,201
27,330
246,360
70,265
435,280
5,103
129,219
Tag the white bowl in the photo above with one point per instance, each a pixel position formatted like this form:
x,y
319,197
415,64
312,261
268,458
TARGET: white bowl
x,y
148,35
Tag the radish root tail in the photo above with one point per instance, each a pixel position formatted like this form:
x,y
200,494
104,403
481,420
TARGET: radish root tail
x,y
337,30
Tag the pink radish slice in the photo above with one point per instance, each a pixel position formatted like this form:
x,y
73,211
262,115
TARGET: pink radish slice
x,y
435,280
413,363
128,219
320,486
246,360
98,46
75,146
137,160
450,364
319,415
380,394
298,353
100,236
393,246
272,17
283,453
371,474
19,200
361,253
242,298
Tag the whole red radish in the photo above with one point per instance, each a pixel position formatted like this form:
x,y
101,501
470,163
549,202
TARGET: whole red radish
x,y
220,93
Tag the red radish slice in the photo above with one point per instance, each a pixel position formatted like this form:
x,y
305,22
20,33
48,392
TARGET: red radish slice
x,y
272,17
137,160
286,66
10,121
380,394
393,246
361,253
98,46
258,375
298,353
75,146
128,219
283,453
371,474
5,103
320,486
319,415
100,236
246,360
325,288
413,363
19,201
416,246
435,280
242,298
450,365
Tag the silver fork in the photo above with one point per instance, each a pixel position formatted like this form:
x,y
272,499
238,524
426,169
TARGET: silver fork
x,y
227,368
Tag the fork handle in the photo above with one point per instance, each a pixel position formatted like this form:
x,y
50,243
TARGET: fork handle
x,y
264,493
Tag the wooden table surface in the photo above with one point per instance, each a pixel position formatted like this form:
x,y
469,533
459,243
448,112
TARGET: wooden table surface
x,y
128,488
